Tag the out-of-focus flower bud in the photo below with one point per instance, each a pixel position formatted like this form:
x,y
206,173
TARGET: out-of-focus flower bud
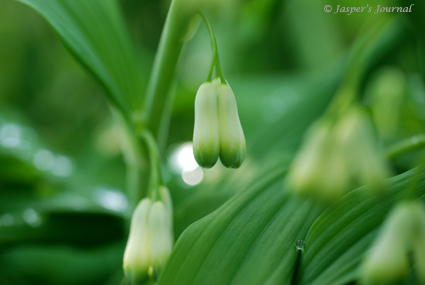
x,y
419,241
387,262
161,235
337,156
206,144
318,169
137,257
355,133
232,139
304,174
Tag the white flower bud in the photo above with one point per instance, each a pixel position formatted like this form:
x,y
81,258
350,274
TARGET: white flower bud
x,y
387,262
205,135
137,258
161,235
354,132
318,169
304,174
419,241
338,156
232,139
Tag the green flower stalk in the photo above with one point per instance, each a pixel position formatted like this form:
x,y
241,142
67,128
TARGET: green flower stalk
x,y
137,258
232,139
206,142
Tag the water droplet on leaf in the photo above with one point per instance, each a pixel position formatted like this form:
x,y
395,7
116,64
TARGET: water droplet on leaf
x,y
300,245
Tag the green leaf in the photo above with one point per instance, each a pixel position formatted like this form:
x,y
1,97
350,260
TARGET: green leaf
x,y
251,239
338,239
95,33
64,217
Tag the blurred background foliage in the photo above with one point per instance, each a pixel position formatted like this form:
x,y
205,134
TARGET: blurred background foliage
x,y
63,208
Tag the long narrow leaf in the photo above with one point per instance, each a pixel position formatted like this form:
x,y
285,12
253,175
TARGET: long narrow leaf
x,y
94,32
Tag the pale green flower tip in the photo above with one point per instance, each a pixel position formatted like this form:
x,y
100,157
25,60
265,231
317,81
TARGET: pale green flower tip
x,y
231,157
240,160
232,154
136,276
205,157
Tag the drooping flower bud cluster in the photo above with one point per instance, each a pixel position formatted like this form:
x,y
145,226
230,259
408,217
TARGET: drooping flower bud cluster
x,y
403,233
218,131
151,238
337,155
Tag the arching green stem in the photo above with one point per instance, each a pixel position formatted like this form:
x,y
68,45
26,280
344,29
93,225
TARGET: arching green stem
x,y
215,56
155,178
357,67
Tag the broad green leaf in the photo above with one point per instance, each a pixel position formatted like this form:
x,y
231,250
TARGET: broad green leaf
x,y
251,239
95,33
338,239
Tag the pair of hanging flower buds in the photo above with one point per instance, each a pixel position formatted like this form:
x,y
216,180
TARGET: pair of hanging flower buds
x,y
338,154
218,131
151,238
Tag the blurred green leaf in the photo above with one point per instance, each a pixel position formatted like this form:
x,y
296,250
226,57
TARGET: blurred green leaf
x,y
61,264
17,172
95,33
338,239
64,217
